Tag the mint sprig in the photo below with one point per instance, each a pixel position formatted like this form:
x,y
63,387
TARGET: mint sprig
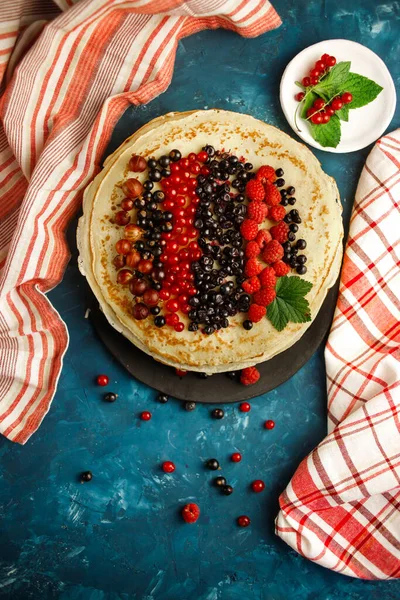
x,y
290,303
335,82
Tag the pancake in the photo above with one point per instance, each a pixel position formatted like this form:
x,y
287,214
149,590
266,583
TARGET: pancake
x,y
317,200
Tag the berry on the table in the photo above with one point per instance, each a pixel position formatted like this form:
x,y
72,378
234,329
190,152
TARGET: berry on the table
x,y
258,486
219,481
189,406
86,476
276,213
249,229
272,195
272,252
265,296
227,490
102,380
255,190
110,397
236,457
212,464
190,513
180,372
145,415
257,211
256,313
168,466
249,375
280,232
162,398
267,277
263,237
281,269
217,413
346,97
266,174
252,249
244,407
253,267
251,285
269,424
243,521
300,96
232,374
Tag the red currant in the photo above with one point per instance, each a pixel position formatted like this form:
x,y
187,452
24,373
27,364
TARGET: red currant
x,y
336,103
102,380
172,306
310,112
316,119
204,170
164,294
145,415
192,157
258,486
329,110
243,521
269,424
202,156
346,97
330,61
180,372
315,73
174,168
195,168
318,103
325,117
324,58
320,65
179,327
306,81
314,80
236,457
299,97
168,466
244,407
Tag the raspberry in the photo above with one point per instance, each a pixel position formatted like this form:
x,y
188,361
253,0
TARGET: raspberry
x,y
280,268
267,277
251,285
263,237
272,195
252,249
249,229
276,213
254,267
265,296
256,313
272,252
190,513
266,173
255,190
280,232
249,376
257,211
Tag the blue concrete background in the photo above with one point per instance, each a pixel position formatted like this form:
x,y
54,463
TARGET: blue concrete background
x,y
121,536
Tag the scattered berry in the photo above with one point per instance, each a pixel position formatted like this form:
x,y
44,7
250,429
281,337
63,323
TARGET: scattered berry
x,y
219,481
217,413
252,249
110,397
258,486
265,174
189,406
265,296
276,213
190,513
243,521
245,407
162,398
269,424
263,237
251,285
272,195
86,476
253,267
272,251
280,232
102,380
268,277
255,190
236,457
180,372
212,464
145,415
256,313
250,375
227,490
249,229
168,466
257,211
280,268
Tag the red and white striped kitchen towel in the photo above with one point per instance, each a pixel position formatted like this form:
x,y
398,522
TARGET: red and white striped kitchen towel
x,y
342,507
68,71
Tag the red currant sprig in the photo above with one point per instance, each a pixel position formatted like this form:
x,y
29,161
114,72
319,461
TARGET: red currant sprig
x,y
321,112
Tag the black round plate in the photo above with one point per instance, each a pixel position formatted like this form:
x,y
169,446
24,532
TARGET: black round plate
x,y
219,388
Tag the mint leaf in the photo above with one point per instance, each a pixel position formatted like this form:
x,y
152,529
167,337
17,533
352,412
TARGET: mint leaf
x,y
363,90
332,83
327,134
307,103
343,113
290,304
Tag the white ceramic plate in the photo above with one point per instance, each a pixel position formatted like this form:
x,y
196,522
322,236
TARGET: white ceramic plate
x,y
365,124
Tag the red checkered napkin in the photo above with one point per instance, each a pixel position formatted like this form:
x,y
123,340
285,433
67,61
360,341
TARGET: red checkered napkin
x,y
342,507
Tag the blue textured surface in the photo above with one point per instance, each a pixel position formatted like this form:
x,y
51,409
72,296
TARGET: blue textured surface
x,y
121,536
